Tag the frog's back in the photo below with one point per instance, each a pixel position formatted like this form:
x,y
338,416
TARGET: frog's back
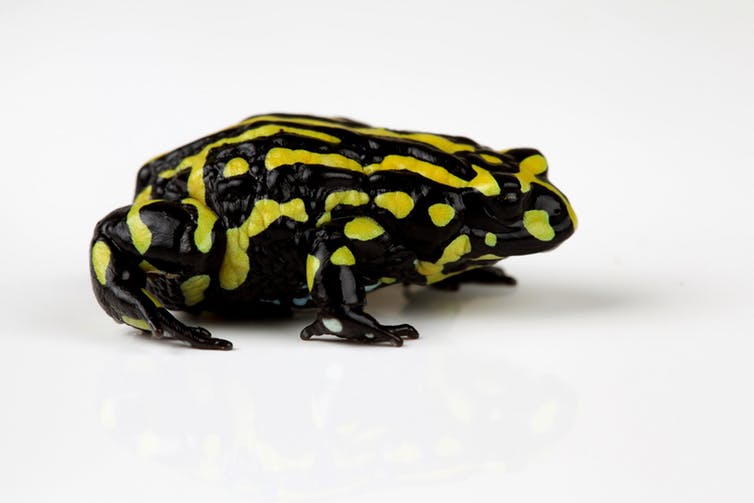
x,y
199,169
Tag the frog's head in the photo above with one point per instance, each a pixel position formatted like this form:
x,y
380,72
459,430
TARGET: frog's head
x,y
530,214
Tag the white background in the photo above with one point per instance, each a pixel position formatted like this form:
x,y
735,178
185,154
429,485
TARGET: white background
x,y
620,369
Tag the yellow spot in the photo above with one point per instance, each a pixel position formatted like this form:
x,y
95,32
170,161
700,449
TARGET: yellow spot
x,y
277,157
236,166
398,203
206,219
136,323
483,181
457,248
342,256
312,266
100,260
441,214
490,239
345,197
437,141
197,161
528,169
387,280
151,297
491,159
193,289
537,223
363,229
141,236
235,265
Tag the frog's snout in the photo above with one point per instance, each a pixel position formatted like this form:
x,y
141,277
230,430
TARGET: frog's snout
x,y
549,216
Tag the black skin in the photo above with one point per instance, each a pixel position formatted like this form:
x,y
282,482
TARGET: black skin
x,y
276,280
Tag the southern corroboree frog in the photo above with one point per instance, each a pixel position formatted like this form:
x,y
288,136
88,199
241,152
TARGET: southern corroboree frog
x,y
285,211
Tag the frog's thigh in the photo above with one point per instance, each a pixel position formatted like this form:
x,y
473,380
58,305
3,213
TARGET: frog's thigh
x,y
127,240
338,290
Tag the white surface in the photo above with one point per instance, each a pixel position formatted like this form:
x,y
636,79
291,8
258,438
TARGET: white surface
x,y
619,370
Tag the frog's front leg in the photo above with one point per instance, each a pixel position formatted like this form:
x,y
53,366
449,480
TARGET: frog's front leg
x,y
131,242
338,290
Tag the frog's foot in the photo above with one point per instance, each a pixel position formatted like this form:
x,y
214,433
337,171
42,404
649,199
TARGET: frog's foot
x,y
164,325
356,325
483,275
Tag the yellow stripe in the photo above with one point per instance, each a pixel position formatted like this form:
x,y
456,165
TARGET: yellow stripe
x,y
342,256
363,229
147,267
528,169
488,256
267,211
278,156
345,197
236,166
312,266
144,196
437,141
483,181
193,289
398,203
457,248
197,161
151,297
441,214
491,159
235,266
206,219
141,236
100,260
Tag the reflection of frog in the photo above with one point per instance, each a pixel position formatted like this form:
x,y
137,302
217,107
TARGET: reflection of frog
x,y
284,211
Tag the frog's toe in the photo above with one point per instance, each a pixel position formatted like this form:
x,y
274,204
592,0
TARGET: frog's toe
x,y
404,331
200,338
196,337
310,331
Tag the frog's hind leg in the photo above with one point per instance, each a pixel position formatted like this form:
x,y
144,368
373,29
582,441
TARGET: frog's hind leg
x,y
126,247
338,291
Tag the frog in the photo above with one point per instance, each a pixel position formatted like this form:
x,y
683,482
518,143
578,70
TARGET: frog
x,y
285,212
